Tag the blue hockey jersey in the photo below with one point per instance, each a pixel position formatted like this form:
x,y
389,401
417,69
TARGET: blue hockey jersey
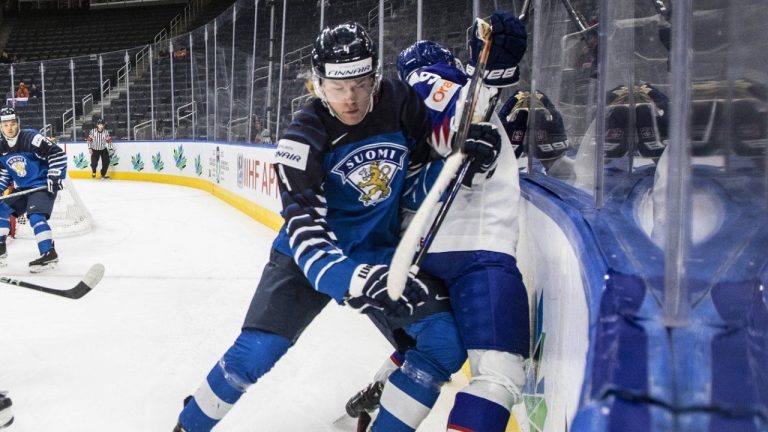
x,y
26,164
355,177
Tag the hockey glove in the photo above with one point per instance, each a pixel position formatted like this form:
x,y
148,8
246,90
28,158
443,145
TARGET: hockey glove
x,y
550,140
482,147
368,292
54,180
508,43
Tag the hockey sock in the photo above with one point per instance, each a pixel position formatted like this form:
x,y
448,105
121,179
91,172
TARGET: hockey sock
x,y
252,355
472,413
407,399
496,385
42,230
391,364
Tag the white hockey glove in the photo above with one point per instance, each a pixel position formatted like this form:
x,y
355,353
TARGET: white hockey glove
x,y
54,180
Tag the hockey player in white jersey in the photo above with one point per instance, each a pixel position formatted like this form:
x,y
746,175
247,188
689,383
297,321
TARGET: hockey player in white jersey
x,y
474,250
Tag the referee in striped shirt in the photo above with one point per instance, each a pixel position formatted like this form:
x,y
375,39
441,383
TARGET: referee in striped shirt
x,y
100,147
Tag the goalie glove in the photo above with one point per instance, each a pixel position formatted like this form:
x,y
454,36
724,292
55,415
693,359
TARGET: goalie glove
x,y
54,180
368,292
509,41
550,140
482,147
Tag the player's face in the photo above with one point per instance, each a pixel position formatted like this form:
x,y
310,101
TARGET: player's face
x,y
100,127
349,99
10,128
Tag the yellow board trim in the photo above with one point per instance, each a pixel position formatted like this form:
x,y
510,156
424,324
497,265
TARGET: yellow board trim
x,y
257,212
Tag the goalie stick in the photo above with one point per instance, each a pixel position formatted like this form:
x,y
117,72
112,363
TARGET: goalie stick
x,y
401,267
86,284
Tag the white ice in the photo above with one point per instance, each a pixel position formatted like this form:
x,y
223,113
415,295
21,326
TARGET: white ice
x,y
181,267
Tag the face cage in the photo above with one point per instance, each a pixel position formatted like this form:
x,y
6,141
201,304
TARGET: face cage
x,y
317,80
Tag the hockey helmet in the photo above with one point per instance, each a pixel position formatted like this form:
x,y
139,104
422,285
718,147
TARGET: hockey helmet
x,y
420,54
9,114
345,52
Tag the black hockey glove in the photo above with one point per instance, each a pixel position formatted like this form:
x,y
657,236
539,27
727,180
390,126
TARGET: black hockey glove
x,y
54,180
550,141
509,41
482,147
368,292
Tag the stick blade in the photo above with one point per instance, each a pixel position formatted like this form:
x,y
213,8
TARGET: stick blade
x,y
94,275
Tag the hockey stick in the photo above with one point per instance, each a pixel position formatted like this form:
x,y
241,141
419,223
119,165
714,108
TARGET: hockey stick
x,y
89,281
24,192
401,266
581,23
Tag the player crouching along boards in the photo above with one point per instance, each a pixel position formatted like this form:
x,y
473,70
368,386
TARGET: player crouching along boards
x,y
474,251
342,167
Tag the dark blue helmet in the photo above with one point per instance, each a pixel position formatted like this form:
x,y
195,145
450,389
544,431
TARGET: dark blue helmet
x,y
420,54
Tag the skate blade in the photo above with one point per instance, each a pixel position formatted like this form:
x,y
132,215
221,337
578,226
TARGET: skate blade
x,y
345,423
44,267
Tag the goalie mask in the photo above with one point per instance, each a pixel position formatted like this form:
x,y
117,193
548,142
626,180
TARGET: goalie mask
x,y
9,125
345,70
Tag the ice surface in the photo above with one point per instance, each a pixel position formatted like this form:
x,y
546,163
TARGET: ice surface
x,y
181,267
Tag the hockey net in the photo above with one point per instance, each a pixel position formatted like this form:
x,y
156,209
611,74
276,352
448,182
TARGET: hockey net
x,y
70,217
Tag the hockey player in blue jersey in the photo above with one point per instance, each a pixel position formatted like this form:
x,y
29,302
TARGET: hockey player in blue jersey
x,y
28,160
342,166
474,251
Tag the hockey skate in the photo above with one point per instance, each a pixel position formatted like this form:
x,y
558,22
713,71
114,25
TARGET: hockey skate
x,y
47,261
6,416
178,427
366,400
363,403
3,255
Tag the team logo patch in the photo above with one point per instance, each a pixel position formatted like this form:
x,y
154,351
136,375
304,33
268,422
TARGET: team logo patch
x,y
19,165
370,170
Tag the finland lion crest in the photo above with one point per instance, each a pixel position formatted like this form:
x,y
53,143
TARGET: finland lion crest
x,y
19,165
370,170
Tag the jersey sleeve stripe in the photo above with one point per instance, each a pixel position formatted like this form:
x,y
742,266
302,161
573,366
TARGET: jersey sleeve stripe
x,y
326,268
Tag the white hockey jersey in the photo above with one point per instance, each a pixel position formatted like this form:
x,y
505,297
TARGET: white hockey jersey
x,y
484,217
